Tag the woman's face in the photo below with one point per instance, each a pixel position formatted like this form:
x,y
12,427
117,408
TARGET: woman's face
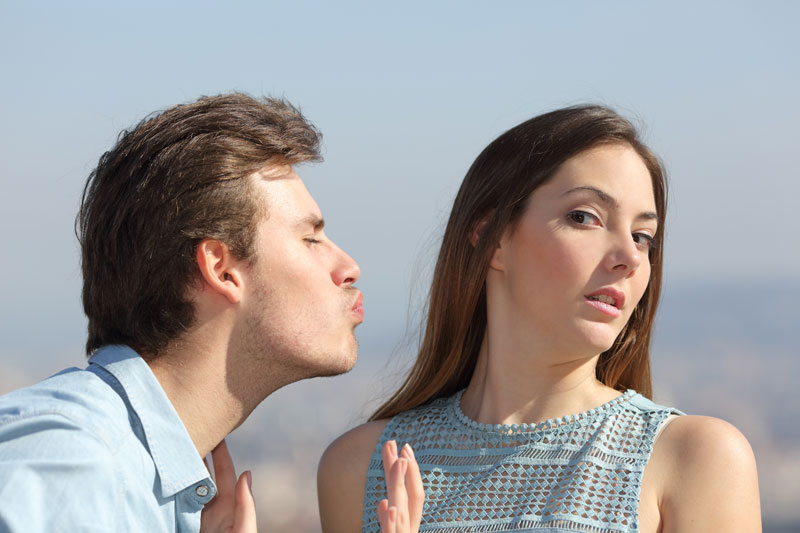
x,y
576,263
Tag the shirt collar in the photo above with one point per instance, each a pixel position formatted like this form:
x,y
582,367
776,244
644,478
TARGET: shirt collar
x,y
176,459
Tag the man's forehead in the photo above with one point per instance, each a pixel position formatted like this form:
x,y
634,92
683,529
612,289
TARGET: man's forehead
x,y
276,172
287,197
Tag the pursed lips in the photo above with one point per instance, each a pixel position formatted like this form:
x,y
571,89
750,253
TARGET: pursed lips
x,y
358,306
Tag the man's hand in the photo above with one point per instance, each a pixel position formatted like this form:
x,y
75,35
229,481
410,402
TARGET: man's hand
x,y
233,509
402,511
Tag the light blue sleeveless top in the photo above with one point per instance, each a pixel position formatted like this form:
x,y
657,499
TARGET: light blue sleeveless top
x,y
577,473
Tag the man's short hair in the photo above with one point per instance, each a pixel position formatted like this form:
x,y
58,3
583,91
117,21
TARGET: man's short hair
x,y
175,179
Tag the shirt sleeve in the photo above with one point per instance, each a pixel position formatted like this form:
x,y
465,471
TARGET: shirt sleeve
x,y
55,476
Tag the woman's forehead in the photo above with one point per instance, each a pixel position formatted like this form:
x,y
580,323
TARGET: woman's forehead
x,y
615,173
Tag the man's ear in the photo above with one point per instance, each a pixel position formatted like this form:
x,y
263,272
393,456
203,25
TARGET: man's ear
x,y
221,272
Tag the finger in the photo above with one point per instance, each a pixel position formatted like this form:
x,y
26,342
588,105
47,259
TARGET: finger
x,y
389,455
414,489
383,510
244,514
224,473
396,486
391,520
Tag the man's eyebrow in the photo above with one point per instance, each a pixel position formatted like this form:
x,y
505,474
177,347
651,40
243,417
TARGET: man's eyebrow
x,y
609,200
314,221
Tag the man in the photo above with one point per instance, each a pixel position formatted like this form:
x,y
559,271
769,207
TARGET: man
x,y
208,283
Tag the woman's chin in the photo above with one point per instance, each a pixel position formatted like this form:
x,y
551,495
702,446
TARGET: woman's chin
x,y
598,338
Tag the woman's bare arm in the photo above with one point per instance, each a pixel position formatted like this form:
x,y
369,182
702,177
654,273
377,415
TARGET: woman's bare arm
x,y
342,474
712,484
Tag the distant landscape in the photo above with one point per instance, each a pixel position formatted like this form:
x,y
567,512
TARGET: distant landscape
x,y
728,351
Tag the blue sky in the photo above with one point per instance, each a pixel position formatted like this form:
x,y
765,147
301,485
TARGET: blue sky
x,y
406,96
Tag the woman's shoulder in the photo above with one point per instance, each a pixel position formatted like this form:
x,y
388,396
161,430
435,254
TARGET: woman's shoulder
x,y
341,476
693,437
642,404
708,476
705,447
354,449
354,446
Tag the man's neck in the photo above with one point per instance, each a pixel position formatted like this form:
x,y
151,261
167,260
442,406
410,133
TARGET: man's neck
x,y
197,383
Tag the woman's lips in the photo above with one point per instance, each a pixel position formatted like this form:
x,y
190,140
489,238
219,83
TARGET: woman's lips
x,y
604,307
607,300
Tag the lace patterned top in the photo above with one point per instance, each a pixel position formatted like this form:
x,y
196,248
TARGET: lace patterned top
x,y
580,473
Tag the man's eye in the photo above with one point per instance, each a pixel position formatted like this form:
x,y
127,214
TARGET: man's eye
x,y
312,240
583,218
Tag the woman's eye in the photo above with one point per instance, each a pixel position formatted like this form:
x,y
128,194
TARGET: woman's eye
x,y
644,241
584,218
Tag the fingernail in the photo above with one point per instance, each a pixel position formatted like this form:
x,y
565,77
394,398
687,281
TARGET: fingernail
x,y
408,448
250,481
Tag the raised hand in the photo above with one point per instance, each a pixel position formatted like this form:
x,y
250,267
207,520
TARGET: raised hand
x,y
233,509
402,511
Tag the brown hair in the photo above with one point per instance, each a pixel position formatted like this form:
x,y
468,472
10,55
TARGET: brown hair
x,y
496,189
175,179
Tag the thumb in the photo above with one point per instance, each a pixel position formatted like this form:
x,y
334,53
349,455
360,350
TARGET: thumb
x,y
244,514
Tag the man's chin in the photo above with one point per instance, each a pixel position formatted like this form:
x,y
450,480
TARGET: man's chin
x,y
336,365
346,364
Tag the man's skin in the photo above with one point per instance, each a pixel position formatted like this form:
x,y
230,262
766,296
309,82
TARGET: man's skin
x,y
209,283
288,315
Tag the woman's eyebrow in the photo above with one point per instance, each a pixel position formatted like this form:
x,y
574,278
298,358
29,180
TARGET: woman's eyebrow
x,y
603,196
609,200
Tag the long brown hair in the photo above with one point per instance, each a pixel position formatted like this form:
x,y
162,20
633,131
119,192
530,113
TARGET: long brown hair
x,y
495,190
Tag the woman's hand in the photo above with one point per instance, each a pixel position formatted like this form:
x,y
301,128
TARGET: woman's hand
x,y
402,511
233,509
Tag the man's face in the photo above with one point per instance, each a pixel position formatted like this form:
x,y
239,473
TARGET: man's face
x,y
300,308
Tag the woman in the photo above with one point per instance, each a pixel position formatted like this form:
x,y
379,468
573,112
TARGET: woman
x,y
521,406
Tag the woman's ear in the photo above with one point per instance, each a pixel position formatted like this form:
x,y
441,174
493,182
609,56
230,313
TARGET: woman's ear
x,y
477,234
477,231
220,271
498,261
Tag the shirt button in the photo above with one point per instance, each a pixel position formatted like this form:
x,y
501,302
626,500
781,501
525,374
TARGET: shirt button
x,y
201,491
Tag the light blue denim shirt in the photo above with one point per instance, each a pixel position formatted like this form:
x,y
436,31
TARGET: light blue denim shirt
x,y
100,449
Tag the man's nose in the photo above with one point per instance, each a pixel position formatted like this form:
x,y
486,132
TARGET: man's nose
x,y
347,270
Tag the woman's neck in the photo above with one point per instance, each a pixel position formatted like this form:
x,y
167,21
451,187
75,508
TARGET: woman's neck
x,y
512,385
